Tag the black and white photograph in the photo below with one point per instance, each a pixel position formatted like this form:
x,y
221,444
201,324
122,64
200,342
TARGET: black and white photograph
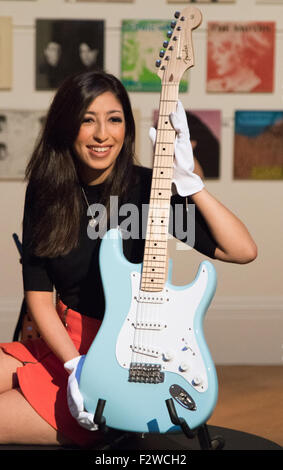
x,y
201,1
64,47
6,52
104,1
15,153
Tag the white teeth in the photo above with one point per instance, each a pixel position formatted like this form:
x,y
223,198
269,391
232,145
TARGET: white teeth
x,y
100,149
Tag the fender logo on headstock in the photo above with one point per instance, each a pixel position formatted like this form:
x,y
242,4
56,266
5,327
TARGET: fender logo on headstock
x,y
186,51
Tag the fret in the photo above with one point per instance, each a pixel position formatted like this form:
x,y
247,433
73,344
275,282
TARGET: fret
x,y
155,252
165,149
167,107
156,244
161,183
154,218
150,288
153,278
161,194
153,272
156,263
162,172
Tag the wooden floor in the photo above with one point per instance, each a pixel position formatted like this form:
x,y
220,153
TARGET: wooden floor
x,y
250,399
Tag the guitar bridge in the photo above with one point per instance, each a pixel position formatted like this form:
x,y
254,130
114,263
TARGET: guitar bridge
x,y
145,373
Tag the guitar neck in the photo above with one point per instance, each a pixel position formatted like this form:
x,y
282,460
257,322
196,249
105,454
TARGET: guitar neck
x,y
155,254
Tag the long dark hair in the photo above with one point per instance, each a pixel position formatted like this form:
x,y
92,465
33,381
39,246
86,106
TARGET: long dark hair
x,y
52,171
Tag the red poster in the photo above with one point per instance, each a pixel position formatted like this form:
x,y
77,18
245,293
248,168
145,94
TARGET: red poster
x,y
240,56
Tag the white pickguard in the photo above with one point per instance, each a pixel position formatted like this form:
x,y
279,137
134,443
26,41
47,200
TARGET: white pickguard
x,y
159,329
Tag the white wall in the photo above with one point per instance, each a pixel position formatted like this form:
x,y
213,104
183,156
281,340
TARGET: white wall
x,y
245,321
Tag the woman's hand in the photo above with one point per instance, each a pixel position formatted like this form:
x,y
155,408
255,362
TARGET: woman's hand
x,y
187,182
74,396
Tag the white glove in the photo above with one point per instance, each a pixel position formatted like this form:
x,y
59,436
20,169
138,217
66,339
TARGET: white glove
x,y
74,396
184,178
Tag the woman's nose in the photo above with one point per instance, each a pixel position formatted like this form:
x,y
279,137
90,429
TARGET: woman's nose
x,y
100,133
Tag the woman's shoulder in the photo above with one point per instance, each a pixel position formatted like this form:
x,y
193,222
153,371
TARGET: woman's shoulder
x,y
142,174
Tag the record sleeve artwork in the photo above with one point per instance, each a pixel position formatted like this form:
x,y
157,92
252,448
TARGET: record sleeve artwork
x,y
141,41
258,145
15,153
240,57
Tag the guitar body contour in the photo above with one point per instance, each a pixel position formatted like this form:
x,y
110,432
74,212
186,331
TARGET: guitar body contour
x,y
150,347
175,342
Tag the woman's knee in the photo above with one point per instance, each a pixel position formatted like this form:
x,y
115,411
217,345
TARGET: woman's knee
x,y
8,371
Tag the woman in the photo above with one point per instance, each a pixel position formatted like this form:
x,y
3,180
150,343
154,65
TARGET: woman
x,y
86,154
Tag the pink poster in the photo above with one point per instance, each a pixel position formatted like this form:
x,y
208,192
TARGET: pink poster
x,y
205,134
240,56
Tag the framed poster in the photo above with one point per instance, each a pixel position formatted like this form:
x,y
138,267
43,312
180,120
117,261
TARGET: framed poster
x,y
258,145
201,1
6,52
141,43
101,1
270,2
240,56
205,132
64,47
15,152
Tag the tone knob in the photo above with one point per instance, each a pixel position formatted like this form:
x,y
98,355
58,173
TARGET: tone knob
x,y
184,366
168,356
197,380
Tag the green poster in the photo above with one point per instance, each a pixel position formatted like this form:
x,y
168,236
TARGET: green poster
x,y
141,42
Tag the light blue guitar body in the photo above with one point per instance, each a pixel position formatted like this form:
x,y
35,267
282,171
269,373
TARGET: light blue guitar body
x,y
166,336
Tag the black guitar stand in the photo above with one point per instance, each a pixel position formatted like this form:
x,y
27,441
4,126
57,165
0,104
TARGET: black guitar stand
x,y
114,438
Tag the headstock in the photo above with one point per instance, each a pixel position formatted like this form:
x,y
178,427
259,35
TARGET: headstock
x,y
177,54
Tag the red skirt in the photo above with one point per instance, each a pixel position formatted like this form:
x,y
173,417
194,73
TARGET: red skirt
x,y
43,379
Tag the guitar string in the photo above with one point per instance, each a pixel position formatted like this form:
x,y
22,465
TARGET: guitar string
x,y
154,318
143,317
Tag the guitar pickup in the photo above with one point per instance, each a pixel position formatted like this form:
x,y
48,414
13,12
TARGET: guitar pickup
x,y
151,298
146,350
148,325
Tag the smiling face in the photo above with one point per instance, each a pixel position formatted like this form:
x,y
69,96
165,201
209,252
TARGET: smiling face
x,y
100,138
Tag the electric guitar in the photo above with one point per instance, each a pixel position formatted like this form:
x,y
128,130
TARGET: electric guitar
x,y
150,347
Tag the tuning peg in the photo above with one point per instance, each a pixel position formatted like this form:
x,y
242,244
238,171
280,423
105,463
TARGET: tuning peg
x,y
169,34
177,14
165,44
173,24
158,63
161,53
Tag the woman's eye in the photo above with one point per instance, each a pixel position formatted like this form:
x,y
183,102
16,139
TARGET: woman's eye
x,y
116,119
87,119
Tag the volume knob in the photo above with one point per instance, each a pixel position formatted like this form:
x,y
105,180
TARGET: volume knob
x,y
168,356
184,366
197,380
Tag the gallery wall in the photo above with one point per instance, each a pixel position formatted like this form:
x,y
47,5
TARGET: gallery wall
x,y
245,321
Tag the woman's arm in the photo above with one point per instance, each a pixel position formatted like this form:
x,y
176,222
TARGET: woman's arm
x,y
41,307
234,243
